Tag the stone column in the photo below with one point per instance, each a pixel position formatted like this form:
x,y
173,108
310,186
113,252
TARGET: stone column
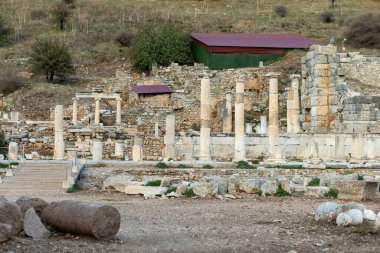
x,y
273,114
239,122
339,148
75,111
263,125
204,142
293,106
59,143
357,152
118,111
248,128
156,130
97,111
169,138
97,150
119,149
137,151
227,115
13,151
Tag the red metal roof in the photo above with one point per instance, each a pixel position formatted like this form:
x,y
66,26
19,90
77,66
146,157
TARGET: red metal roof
x,y
253,40
152,89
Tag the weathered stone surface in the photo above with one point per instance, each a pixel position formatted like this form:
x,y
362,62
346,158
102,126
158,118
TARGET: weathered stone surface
x,y
33,226
10,213
371,222
144,190
181,189
204,189
76,217
26,202
348,206
356,216
327,212
5,232
343,219
220,183
118,183
169,181
298,190
316,191
269,187
356,189
250,185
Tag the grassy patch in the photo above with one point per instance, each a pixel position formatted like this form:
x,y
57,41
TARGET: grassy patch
x,y
207,166
314,182
182,166
153,183
6,165
171,189
189,193
76,187
161,165
281,192
244,165
99,165
332,193
360,177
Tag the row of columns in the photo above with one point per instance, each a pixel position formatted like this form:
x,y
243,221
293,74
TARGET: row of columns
x,y
97,111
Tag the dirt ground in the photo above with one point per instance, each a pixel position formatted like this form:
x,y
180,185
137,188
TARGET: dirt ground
x,y
249,224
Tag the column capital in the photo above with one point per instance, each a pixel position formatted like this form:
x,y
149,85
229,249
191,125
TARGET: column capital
x,y
75,99
295,76
119,99
273,74
98,99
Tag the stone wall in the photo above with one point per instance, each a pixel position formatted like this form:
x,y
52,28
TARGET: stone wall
x,y
366,69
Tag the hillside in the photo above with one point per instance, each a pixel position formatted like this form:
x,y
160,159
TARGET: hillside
x,y
94,25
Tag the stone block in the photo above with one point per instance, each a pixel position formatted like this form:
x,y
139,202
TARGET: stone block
x,y
356,190
316,191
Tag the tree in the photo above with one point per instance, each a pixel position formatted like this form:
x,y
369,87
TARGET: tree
x,y
363,31
5,31
51,57
161,44
60,14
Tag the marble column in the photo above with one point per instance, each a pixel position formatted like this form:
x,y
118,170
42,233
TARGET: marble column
x,y
227,115
97,150
204,142
118,111
137,151
59,143
97,111
169,138
273,114
75,112
119,148
357,152
339,148
293,106
13,151
239,122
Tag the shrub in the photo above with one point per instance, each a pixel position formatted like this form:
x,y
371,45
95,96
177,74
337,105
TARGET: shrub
x,y
76,187
161,165
360,177
171,189
189,193
50,57
5,31
161,44
37,14
207,166
195,126
333,193
60,14
314,182
244,165
281,11
153,183
327,17
182,166
71,3
124,38
289,167
10,81
281,192
364,31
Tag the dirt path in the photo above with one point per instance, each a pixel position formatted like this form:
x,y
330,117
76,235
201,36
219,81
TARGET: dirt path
x,y
251,224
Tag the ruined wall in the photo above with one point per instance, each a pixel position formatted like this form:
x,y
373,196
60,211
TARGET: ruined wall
x,y
366,69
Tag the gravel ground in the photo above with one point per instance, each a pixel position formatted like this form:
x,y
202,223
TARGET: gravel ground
x,y
249,224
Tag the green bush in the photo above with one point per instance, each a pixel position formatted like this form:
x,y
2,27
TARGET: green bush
x,y
195,127
161,165
51,58
153,183
5,31
281,192
161,44
207,166
363,31
314,182
76,187
289,167
244,165
171,189
360,177
333,193
189,193
182,166
6,165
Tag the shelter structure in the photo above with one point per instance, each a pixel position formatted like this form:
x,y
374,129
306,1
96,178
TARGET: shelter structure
x,y
236,50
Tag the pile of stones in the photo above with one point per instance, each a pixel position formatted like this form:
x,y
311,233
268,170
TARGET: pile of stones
x,y
34,215
349,214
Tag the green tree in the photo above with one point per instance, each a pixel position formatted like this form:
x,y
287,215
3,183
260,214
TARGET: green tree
x,y
60,13
161,44
5,31
51,57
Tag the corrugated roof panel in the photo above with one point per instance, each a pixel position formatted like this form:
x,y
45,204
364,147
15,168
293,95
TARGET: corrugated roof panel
x,y
253,40
152,89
